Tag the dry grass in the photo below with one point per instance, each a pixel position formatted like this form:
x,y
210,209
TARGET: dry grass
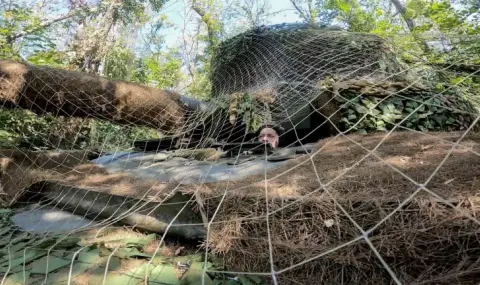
x,y
22,168
318,205
425,241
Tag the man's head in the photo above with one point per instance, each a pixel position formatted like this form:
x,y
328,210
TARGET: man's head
x,y
270,136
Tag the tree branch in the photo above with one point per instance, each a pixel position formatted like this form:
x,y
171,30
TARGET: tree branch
x,y
299,10
410,23
463,68
46,24
210,29
49,90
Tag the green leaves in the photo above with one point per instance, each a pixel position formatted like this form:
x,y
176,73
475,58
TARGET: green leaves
x,y
130,252
52,259
5,211
195,274
420,112
251,113
48,264
140,241
112,279
20,127
17,278
161,70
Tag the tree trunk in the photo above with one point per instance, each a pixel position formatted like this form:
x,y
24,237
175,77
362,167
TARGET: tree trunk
x,y
49,90
410,24
209,22
305,14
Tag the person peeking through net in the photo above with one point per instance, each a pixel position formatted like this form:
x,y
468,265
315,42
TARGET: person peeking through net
x,y
270,135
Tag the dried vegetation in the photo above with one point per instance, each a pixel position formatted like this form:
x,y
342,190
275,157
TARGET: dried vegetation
x,y
321,205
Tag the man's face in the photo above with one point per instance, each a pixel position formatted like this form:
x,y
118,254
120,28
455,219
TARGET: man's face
x,y
270,136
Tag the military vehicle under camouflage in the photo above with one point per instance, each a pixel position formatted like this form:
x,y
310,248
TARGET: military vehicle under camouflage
x,y
303,203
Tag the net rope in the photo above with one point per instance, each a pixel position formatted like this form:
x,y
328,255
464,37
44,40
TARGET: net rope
x,y
291,70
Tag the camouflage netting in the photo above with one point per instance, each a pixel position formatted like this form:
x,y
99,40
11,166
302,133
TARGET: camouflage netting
x,y
380,208
317,205
300,55
287,70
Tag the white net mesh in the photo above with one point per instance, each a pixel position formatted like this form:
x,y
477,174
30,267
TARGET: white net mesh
x,y
206,203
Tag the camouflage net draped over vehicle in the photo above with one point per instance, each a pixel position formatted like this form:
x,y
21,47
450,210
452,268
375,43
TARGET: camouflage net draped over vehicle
x,y
383,208
278,75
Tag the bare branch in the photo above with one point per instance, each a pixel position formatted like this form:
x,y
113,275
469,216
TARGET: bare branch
x,y
409,21
47,23
300,11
